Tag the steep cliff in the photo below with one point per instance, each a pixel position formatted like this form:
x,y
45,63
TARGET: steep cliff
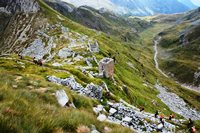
x,y
17,6
14,32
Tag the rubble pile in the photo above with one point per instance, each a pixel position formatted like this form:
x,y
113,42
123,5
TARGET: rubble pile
x,y
177,104
91,90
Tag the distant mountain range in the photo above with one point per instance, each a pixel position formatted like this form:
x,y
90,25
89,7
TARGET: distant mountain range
x,y
139,7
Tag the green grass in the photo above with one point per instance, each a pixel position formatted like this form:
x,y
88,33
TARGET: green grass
x,y
25,110
182,61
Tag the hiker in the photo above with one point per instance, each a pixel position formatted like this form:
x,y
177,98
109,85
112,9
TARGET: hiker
x,y
163,123
109,54
141,109
20,56
190,124
107,94
171,116
161,118
114,58
40,62
35,60
156,114
192,129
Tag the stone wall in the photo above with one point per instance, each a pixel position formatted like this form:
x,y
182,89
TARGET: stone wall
x,y
106,66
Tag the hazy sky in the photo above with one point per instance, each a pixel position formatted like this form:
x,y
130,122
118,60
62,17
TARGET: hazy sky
x,y
197,2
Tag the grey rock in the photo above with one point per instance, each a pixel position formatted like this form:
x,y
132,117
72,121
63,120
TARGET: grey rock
x,y
65,52
91,90
17,6
62,97
101,117
177,104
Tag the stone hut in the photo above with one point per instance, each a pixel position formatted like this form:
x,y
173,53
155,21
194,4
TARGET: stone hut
x,y
93,47
106,67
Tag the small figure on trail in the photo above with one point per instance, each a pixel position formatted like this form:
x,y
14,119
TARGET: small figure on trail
x,y
190,124
114,58
35,60
109,54
141,109
171,116
192,129
156,114
161,118
163,123
125,89
40,62
107,94
20,56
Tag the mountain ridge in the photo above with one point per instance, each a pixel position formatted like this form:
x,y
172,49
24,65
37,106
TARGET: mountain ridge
x,y
138,7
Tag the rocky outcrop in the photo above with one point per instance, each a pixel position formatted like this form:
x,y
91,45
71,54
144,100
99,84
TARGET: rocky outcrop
x,y
91,90
130,116
19,6
177,104
16,23
37,49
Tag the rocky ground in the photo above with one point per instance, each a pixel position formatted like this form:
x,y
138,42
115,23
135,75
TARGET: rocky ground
x,y
177,104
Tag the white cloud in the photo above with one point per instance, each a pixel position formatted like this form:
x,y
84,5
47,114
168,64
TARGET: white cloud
x,y
93,3
196,2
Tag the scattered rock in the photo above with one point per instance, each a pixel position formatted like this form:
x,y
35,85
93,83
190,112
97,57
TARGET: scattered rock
x,y
56,64
62,97
88,61
127,119
196,76
93,129
98,109
112,111
78,58
15,86
91,90
101,117
37,49
107,130
131,117
41,90
177,104
65,52
18,78
93,48
94,91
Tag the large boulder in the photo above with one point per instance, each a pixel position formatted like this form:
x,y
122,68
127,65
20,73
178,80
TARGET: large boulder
x,y
62,97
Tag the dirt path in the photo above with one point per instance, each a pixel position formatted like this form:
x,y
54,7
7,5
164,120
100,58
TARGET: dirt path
x,y
156,42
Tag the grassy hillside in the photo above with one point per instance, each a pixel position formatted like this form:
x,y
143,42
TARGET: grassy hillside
x,y
25,107
180,49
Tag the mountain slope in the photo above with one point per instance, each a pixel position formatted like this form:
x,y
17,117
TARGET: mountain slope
x,y
101,20
180,46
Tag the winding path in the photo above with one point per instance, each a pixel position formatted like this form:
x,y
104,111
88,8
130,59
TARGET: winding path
x,y
189,87
156,42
